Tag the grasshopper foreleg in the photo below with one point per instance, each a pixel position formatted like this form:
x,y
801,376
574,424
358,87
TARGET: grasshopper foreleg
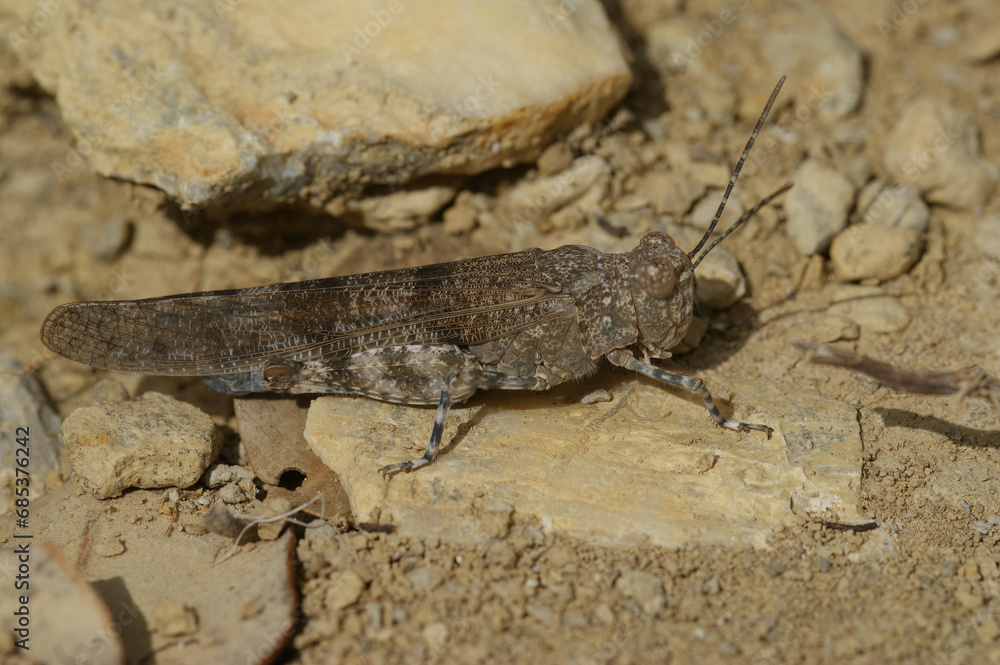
x,y
467,382
692,384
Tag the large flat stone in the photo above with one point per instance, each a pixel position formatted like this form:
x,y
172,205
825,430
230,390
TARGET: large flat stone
x,y
649,466
248,102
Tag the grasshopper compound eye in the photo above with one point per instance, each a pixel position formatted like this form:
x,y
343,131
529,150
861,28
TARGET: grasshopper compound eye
x,y
657,277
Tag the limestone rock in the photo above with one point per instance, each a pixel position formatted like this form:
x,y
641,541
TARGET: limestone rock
x,y
935,147
867,251
536,201
870,308
647,467
154,441
251,103
817,206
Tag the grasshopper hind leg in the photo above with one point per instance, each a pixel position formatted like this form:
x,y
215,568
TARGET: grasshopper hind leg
x,y
467,382
444,406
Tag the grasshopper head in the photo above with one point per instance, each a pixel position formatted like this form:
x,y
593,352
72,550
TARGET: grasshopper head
x,y
662,289
661,276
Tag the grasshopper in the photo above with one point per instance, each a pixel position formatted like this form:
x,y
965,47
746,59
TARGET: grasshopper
x,y
527,320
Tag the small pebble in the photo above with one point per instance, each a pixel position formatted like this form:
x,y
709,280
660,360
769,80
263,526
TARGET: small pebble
x,y
233,493
645,589
595,396
108,390
344,588
982,527
720,280
424,579
970,571
871,310
436,636
109,546
893,206
106,239
535,200
173,619
817,206
272,507
555,158
630,203
968,599
935,147
459,219
250,609
218,475
669,192
866,251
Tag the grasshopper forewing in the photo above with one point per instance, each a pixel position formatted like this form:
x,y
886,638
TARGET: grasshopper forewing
x,y
527,320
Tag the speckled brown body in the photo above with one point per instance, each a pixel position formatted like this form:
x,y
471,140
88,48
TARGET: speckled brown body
x,y
401,335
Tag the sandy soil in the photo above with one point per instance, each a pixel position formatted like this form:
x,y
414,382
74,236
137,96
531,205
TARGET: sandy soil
x,y
923,587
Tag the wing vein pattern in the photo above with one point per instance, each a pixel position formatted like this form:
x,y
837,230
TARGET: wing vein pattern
x,y
219,332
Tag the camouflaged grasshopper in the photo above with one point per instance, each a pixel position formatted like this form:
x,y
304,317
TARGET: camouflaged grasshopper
x,y
527,320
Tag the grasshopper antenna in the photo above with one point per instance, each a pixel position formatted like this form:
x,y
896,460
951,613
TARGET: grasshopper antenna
x,y
739,222
732,181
